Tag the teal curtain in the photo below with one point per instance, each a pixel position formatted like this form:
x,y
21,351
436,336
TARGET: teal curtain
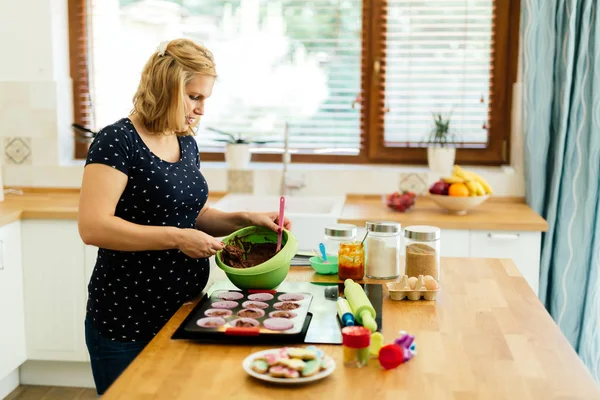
x,y
561,125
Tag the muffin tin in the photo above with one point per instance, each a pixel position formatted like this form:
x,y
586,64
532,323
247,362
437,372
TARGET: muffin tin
x,y
240,313
401,290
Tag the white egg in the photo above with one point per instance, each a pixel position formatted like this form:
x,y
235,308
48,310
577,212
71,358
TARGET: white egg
x,y
412,282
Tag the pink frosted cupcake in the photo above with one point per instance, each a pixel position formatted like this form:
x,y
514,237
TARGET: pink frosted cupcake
x,y
230,296
291,297
218,312
286,305
251,313
244,323
255,304
225,304
282,314
261,297
278,324
210,322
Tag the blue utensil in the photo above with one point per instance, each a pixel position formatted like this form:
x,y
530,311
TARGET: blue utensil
x,y
323,253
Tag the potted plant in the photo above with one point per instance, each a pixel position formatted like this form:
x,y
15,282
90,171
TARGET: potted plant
x,y
441,145
237,148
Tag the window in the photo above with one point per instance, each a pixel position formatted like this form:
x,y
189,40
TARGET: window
x,y
355,81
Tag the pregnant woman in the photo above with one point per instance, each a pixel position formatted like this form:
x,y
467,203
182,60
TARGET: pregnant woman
x,y
143,204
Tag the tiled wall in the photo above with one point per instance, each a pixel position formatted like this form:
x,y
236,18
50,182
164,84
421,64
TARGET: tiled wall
x,y
28,126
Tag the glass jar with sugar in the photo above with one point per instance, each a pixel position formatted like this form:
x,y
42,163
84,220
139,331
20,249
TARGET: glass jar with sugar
x,y
382,245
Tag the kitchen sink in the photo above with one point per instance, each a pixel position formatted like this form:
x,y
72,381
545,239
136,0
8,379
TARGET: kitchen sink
x,y
309,214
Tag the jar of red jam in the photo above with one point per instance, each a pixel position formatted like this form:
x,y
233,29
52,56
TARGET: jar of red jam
x,y
351,261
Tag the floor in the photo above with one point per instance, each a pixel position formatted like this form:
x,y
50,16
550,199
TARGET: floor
x,y
51,393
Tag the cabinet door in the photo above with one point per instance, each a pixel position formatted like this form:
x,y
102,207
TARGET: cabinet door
x,y
12,331
54,268
522,247
454,243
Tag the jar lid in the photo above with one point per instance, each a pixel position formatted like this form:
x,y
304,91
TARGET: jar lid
x,y
422,232
356,337
383,226
341,230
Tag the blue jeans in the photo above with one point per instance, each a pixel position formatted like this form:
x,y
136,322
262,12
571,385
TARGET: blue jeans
x,y
109,358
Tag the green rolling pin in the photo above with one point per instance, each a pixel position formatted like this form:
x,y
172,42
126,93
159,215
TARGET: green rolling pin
x,y
363,310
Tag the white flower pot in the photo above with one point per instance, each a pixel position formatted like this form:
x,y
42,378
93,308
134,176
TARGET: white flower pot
x,y
441,159
237,155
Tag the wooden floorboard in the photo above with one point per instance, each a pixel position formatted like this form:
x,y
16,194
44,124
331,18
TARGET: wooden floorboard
x,y
27,392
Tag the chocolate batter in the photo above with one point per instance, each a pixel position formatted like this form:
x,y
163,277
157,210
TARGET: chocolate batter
x,y
235,255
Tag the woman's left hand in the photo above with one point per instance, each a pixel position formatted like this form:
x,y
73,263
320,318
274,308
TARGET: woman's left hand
x,y
269,220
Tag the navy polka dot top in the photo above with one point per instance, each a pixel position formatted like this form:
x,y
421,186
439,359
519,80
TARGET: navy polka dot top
x,y
133,294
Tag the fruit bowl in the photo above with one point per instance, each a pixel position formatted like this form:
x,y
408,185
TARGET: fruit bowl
x,y
399,201
456,204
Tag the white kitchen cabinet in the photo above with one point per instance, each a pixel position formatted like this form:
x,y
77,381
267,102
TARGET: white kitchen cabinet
x,y
454,243
12,331
522,247
55,290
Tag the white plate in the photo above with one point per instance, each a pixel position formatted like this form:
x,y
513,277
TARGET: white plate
x,y
247,365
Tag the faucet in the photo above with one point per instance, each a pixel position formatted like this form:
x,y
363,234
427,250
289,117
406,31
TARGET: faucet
x,y
286,186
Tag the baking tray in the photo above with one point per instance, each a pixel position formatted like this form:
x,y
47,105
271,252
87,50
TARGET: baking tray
x,y
228,332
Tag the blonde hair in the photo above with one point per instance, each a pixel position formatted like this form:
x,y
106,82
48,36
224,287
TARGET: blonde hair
x,y
159,99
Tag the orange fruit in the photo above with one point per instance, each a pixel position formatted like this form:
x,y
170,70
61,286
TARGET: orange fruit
x,y
458,189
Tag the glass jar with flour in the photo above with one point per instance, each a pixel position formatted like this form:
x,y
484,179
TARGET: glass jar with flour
x,y
382,250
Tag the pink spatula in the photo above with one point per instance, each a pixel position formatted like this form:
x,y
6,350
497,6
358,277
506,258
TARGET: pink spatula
x,y
281,209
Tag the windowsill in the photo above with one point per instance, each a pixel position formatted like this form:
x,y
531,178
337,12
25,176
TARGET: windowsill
x,y
265,166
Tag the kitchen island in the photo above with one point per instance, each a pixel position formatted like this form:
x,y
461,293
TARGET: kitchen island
x,y
486,337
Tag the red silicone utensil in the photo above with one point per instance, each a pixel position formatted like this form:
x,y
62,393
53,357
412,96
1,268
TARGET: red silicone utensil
x,y
281,208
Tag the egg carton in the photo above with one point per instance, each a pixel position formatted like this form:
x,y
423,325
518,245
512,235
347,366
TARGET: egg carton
x,y
402,289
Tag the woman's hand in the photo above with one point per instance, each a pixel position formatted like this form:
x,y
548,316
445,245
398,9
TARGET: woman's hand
x,y
197,244
269,220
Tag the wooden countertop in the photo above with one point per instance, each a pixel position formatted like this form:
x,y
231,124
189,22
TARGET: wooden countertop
x,y
486,337
495,214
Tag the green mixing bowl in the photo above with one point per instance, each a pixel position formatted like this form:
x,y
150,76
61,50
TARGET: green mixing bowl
x,y
322,268
269,274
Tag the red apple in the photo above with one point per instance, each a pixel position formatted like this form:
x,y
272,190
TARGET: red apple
x,y
440,187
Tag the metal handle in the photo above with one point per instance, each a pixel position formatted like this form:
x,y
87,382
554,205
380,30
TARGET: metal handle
x,y
503,236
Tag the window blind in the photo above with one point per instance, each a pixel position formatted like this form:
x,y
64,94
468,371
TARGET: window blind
x,y
279,62
437,58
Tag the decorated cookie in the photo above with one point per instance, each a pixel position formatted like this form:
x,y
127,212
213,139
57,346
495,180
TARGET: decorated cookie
x,y
251,313
279,371
244,323
283,314
261,297
270,358
230,296
225,304
278,324
260,366
286,305
210,322
316,350
291,297
216,312
292,363
311,367
325,362
254,304
300,353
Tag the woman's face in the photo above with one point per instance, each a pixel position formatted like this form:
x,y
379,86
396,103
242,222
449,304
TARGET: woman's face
x,y
197,91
